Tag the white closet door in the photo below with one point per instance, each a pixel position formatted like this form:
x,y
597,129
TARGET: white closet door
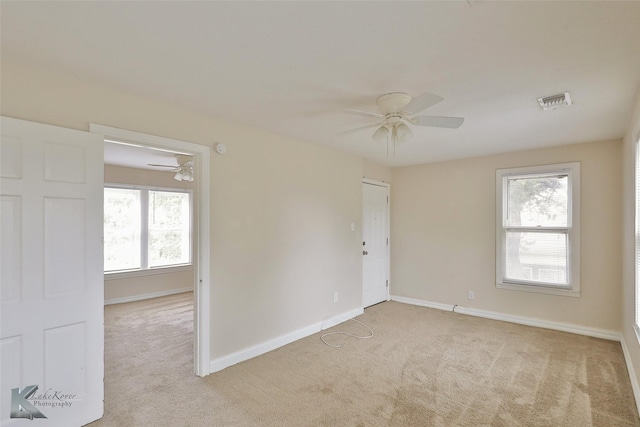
x,y
375,249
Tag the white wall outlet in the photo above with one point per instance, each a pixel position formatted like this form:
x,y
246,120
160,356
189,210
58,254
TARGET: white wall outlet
x,y
336,297
472,295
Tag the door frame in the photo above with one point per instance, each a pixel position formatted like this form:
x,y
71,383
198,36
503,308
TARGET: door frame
x,y
388,225
202,262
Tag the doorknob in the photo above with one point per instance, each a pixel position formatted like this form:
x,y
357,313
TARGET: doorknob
x,y
365,253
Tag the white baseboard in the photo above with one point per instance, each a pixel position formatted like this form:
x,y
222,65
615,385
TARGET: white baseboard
x,y
632,373
423,303
150,295
529,321
336,320
240,356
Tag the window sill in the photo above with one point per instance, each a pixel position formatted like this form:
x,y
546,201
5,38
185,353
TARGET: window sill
x,y
539,289
147,272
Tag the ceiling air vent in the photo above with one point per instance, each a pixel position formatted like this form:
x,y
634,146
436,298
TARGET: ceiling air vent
x,y
555,101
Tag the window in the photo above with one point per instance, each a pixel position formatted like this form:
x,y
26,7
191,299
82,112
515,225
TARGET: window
x,y
122,222
146,228
538,229
169,225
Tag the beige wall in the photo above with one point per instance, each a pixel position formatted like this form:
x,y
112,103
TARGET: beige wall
x,y
628,291
149,285
376,172
282,212
281,208
163,280
443,235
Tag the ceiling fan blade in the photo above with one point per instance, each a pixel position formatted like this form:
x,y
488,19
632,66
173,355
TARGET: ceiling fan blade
x,y
346,132
437,121
422,102
364,113
162,166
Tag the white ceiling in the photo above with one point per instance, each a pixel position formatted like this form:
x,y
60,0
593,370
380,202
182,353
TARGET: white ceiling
x,y
292,67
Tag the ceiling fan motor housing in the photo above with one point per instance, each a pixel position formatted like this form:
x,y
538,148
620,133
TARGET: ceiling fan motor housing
x,y
393,103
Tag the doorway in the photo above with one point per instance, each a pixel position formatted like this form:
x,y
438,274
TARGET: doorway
x,y
375,242
201,221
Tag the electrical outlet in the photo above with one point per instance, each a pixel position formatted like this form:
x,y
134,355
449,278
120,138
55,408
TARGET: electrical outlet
x,y
472,295
335,297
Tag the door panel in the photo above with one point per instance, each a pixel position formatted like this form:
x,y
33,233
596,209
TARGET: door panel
x,y
52,299
10,269
375,233
64,219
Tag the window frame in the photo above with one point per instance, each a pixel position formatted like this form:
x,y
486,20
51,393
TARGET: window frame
x,y
572,230
145,269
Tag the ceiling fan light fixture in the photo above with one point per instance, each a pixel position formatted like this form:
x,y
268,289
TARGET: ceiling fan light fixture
x,y
403,133
381,135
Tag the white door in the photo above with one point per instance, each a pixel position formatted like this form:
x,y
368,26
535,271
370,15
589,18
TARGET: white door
x,y
52,334
375,243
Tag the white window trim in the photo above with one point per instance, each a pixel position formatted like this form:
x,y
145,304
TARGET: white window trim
x,y
146,270
573,270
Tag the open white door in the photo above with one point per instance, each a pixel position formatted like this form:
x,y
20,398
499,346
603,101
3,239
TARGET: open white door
x,y
375,243
52,333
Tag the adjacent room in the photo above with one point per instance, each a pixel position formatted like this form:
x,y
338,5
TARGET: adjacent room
x,y
320,213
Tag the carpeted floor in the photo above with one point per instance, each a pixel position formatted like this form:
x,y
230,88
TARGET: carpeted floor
x,y
423,367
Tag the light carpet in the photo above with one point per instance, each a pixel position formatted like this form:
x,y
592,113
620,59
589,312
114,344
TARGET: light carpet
x,y
423,367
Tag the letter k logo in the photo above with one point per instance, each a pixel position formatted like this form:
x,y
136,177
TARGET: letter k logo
x,y
21,407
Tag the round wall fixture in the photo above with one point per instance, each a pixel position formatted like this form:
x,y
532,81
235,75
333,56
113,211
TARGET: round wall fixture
x,y
221,148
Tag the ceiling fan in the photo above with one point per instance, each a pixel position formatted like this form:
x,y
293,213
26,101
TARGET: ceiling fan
x,y
184,169
397,111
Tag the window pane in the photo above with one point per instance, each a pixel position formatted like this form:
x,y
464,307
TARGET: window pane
x,y
169,228
121,229
538,257
538,201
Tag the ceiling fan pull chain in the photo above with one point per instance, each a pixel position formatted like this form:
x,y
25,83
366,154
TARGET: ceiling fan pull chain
x,y
394,139
388,137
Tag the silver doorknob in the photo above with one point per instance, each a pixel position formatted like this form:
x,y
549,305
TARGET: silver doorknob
x,y
365,253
